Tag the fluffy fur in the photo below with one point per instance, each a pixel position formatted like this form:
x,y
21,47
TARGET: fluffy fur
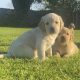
x,y
64,45
34,43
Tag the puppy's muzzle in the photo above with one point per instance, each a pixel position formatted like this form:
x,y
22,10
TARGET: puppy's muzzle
x,y
52,30
63,39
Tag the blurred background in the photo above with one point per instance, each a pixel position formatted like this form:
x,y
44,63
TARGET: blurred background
x,y
27,13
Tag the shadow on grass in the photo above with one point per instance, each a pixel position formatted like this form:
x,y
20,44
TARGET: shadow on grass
x,y
78,44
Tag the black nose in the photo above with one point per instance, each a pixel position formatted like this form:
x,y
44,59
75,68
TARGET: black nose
x,y
62,38
52,30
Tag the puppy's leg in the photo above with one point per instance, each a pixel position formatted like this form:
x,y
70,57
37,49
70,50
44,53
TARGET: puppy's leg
x,y
66,56
57,54
49,52
21,51
41,53
35,53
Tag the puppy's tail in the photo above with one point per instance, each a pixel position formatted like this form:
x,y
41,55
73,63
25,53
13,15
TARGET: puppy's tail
x,y
3,56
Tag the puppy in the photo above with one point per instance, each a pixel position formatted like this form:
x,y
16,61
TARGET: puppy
x,y
64,45
34,43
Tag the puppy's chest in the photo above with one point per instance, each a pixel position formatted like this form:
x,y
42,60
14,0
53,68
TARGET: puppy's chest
x,y
50,40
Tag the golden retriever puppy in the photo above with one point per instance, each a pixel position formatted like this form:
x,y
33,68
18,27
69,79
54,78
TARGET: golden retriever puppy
x,y
34,43
64,45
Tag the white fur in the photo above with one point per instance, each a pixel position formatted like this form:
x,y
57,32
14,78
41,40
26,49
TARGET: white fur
x,y
34,43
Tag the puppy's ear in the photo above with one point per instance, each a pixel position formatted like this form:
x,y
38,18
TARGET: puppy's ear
x,y
61,23
41,25
72,37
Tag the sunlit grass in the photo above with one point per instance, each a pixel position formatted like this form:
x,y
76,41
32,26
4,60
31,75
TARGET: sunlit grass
x,y
7,35
23,69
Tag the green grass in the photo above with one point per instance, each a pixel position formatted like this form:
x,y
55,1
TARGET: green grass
x,y
23,69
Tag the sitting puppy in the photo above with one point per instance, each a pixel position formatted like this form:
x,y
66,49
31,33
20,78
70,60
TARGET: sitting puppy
x,y
64,45
35,42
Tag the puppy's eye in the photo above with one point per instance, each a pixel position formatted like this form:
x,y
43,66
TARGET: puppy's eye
x,y
47,23
56,22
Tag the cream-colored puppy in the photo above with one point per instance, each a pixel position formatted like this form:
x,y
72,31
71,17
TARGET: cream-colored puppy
x,y
64,45
35,42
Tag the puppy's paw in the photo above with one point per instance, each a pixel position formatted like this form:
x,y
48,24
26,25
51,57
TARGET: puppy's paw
x,y
66,56
57,54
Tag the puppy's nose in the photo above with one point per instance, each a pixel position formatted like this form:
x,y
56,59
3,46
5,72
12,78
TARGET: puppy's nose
x,y
62,38
52,30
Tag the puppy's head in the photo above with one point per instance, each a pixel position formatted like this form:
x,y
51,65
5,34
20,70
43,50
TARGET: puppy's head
x,y
65,36
51,23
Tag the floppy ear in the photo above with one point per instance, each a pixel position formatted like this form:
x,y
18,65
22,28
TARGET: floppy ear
x,y
71,37
41,25
61,23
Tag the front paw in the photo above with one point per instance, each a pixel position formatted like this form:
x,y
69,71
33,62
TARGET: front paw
x,y
57,55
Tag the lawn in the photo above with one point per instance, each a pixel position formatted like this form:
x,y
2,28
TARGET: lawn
x,y
23,69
